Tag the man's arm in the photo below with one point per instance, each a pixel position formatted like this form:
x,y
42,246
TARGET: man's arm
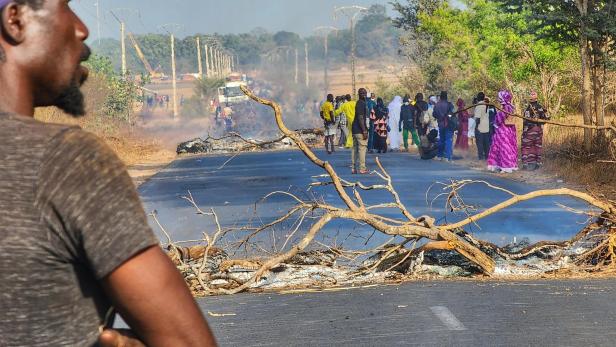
x,y
151,296
362,121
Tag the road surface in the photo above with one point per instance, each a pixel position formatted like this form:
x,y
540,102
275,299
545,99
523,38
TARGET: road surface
x,y
233,190
443,313
545,313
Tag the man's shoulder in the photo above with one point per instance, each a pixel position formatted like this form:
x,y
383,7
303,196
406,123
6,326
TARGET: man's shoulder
x,y
27,132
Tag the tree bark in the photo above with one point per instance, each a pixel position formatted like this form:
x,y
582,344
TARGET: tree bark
x,y
586,82
597,82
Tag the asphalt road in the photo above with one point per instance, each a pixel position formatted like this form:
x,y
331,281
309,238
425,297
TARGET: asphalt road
x,y
233,190
547,313
444,313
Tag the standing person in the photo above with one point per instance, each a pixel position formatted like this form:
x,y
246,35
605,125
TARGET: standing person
x,y
74,238
472,125
348,109
422,118
442,112
463,116
360,134
482,132
504,151
371,132
532,135
406,125
395,108
327,114
380,125
341,121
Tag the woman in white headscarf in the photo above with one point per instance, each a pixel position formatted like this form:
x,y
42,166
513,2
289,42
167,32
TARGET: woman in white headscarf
x,y
395,138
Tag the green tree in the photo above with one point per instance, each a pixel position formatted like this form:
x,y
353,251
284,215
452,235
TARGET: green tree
x,y
587,23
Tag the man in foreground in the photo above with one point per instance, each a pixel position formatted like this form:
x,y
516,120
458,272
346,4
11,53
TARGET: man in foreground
x,y
74,239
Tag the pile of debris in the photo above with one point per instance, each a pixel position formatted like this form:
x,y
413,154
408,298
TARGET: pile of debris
x,y
234,143
321,268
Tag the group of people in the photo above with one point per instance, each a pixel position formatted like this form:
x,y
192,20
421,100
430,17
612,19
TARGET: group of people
x,y
434,127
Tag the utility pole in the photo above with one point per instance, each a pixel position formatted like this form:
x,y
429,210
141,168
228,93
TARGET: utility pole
x,y
296,66
219,63
98,21
123,39
123,34
207,61
352,13
325,31
214,62
171,29
307,68
200,63
175,87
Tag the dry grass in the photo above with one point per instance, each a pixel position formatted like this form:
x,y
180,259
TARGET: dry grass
x,y
131,144
565,156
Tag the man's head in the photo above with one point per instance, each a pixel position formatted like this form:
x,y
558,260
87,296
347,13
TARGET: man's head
x,y
481,96
419,97
533,97
348,97
362,93
372,96
443,96
41,48
330,97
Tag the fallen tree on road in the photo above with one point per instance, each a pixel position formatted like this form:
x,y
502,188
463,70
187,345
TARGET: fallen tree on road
x,y
428,239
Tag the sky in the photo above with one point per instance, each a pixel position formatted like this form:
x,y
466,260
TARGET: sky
x,y
210,16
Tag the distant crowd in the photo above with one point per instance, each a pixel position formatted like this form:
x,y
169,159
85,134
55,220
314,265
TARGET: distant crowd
x,y
434,127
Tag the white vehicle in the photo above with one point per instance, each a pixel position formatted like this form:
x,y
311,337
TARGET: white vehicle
x,y
231,93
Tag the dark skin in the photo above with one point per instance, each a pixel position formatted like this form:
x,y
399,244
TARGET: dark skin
x,y
43,50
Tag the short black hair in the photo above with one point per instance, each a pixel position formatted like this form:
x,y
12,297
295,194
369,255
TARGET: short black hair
x,y
443,95
330,97
348,97
481,96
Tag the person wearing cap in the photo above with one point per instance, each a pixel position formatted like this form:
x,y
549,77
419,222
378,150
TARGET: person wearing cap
x,y
532,133
75,245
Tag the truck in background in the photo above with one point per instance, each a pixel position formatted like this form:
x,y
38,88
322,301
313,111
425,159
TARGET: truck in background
x,y
231,93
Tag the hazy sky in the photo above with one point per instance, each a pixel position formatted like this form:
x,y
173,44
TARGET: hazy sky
x,y
209,16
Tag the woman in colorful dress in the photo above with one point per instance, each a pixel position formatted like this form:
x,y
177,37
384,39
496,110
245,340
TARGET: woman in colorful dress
x,y
462,141
504,150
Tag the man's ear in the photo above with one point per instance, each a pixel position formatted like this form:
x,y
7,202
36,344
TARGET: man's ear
x,y
13,23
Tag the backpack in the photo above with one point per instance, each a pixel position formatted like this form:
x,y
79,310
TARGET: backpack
x,y
453,123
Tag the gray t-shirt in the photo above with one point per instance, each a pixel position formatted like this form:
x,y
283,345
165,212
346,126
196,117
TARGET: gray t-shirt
x,y
69,216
